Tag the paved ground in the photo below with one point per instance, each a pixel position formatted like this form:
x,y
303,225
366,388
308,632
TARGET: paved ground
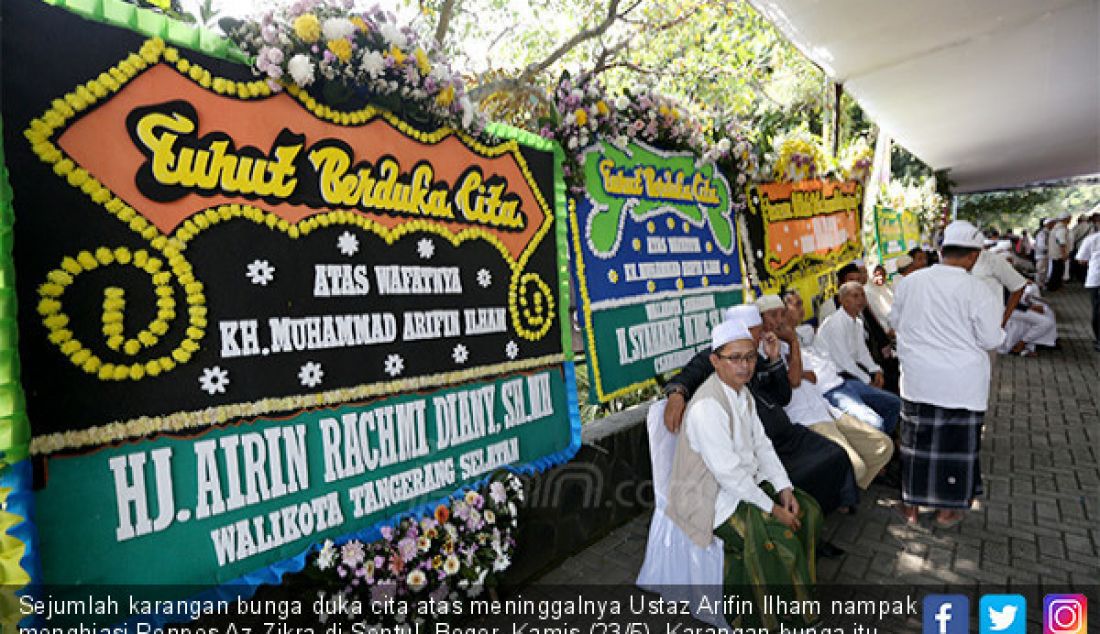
x,y
1037,525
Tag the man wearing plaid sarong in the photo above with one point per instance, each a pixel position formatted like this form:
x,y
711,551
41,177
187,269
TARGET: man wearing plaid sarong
x,y
946,322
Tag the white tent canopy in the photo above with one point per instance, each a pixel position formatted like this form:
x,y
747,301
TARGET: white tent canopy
x,y
1001,92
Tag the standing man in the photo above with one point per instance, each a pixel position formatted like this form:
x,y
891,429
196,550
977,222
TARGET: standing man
x,y
841,338
1089,255
1001,278
946,321
1042,253
1059,247
1081,230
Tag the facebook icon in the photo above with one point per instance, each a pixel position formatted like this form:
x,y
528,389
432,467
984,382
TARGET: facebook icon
x,y
946,614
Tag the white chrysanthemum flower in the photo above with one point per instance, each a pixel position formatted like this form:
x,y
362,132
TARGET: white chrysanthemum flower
x,y
622,103
467,111
417,580
451,565
337,28
301,70
440,73
393,35
724,145
373,63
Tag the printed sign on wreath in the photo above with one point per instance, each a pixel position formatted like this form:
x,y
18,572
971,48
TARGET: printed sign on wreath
x,y
251,321
795,235
655,262
890,233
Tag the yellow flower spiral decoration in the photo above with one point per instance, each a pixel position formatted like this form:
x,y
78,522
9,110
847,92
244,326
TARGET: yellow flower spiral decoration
x,y
531,304
51,309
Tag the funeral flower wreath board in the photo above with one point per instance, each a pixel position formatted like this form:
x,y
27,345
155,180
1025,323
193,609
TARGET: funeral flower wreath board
x,y
253,320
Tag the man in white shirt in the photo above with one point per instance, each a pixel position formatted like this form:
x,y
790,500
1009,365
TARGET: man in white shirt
x,y
946,322
841,338
1032,324
1089,255
868,449
727,480
995,271
1042,253
1081,230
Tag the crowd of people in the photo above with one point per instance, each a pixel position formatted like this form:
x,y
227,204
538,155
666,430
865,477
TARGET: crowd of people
x,y
780,423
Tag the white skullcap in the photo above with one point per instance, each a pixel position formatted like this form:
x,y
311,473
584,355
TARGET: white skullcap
x,y
963,234
859,263
746,314
764,303
1064,216
726,332
903,261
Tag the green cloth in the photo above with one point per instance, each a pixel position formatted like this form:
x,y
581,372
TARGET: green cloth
x,y
764,557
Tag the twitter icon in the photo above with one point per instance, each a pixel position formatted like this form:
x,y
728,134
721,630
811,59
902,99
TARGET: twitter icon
x,y
1003,614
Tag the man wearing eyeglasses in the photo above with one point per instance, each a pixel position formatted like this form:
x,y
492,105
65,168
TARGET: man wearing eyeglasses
x,y
814,463
727,480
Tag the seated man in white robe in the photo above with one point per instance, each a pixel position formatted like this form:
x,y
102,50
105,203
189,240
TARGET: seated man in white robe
x,y
727,481
811,375
1031,324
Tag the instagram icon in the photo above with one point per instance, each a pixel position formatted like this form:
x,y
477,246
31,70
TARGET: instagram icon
x,y
1065,614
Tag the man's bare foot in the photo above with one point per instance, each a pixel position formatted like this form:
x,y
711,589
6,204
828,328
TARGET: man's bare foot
x,y
948,519
910,514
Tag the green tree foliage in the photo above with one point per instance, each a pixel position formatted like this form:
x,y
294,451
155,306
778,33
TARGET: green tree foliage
x,y
1025,208
719,58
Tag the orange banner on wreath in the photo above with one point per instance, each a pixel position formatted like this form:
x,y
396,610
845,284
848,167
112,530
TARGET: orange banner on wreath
x,y
809,218
173,159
